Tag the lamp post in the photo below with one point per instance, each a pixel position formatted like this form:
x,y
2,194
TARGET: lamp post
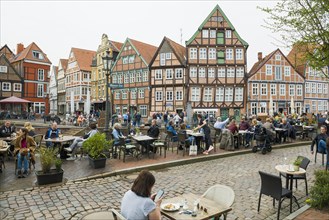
x,y
107,61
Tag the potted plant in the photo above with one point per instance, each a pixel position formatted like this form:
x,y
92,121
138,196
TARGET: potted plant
x,y
96,147
47,175
138,131
297,163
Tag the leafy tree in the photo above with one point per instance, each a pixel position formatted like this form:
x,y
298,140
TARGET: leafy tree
x,y
305,22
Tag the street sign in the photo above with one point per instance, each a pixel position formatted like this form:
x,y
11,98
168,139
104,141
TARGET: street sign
x,y
115,86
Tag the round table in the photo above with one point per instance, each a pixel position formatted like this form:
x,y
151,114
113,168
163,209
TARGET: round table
x,y
290,173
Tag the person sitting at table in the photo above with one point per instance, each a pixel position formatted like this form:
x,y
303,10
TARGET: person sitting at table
x,y
117,135
244,125
320,141
288,132
219,124
188,139
232,127
171,129
79,140
154,132
24,148
29,128
138,202
52,132
270,129
206,131
7,129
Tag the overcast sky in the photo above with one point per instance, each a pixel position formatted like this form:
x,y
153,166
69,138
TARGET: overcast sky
x,y
56,26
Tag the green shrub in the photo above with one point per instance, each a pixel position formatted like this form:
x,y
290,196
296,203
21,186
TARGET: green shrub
x,y
47,159
96,145
58,164
319,194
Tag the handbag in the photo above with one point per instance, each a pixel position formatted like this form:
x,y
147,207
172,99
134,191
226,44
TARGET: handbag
x,y
193,149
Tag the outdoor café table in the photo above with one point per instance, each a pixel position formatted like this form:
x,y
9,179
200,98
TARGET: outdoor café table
x,y
288,170
278,131
195,134
213,208
310,130
243,133
60,140
140,138
3,152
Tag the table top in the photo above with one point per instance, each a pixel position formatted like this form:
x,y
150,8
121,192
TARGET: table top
x,y
308,127
213,208
142,137
196,134
7,139
245,132
61,139
280,129
286,169
4,149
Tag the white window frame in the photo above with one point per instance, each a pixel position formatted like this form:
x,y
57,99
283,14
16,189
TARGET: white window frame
x,y
195,94
228,34
17,87
145,76
319,86
291,89
158,96
229,94
133,94
278,73
282,90
254,108
221,72
287,71
239,54
212,34
3,69
6,86
169,74
141,93
219,94
158,74
239,94
125,60
211,72
202,53
325,88
313,88
268,70
132,78
273,89
124,94
307,88
207,96
230,72
169,95
278,57
179,95
162,59
299,90
40,90
193,53
179,73
240,72
41,75
193,72
131,59
126,78
263,89
202,72
205,33
229,54
143,110
254,87
168,56
212,53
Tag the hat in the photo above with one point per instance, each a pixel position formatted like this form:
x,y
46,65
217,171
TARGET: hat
x,y
28,126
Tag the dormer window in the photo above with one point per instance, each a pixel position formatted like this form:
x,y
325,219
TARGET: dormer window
x,y
37,55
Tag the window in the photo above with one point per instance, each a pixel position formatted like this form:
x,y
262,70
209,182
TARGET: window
x,y
178,73
307,88
17,87
228,94
3,69
240,72
37,55
158,74
221,72
254,87
143,110
287,71
41,75
202,72
262,106
310,71
319,88
207,95
203,53
162,59
228,33
291,90
212,54
277,57
254,108
263,89
239,94
141,93
313,87
39,107
229,54
169,73
40,90
133,94
124,60
193,72
220,57
239,54
145,76
220,38
299,90
124,94
211,72
131,59
168,56
273,89
205,33
193,53
195,94
230,72
220,94
278,75
138,76
132,77
325,88
313,106
268,69
126,76
6,86
179,95
320,105
169,95
212,33
282,89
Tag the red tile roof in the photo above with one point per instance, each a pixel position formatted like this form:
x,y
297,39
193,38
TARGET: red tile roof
x,y
84,58
260,63
179,49
64,63
297,56
28,55
147,51
116,44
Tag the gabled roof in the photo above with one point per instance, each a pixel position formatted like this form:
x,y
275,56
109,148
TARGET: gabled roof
x,y
258,65
117,45
297,56
63,63
5,49
3,56
27,54
244,43
83,57
179,50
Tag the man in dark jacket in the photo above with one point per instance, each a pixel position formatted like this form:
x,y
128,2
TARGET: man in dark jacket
x,y
320,141
153,131
7,129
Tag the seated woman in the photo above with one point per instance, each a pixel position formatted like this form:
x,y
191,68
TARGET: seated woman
x,y
188,139
171,129
138,203
117,135
29,128
232,127
24,146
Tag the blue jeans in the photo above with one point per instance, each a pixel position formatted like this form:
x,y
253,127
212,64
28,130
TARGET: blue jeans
x,y
323,149
23,159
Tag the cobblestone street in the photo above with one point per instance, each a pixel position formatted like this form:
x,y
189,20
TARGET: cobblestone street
x,y
76,199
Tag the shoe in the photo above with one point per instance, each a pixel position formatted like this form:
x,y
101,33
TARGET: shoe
x,y
180,148
19,174
210,149
205,152
247,145
25,172
68,149
71,158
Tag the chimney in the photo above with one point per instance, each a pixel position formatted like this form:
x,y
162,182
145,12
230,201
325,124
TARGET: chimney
x,y
20,48
260,56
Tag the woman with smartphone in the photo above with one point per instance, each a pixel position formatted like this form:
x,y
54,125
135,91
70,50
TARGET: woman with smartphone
x,y
138,203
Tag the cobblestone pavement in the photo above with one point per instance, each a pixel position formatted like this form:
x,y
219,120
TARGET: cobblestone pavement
x,y
73,200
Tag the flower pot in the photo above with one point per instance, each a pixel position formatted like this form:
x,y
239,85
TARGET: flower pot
x,y
53,176
296,168
97,163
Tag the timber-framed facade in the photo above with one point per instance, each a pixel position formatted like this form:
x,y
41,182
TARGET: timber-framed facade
x,y
216,66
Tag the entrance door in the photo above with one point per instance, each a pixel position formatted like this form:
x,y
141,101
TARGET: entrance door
x,y
224,113
237,114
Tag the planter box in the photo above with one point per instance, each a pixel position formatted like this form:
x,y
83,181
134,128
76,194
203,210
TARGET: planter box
x,y
47,178
97,163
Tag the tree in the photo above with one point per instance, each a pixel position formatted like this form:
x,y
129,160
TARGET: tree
x,y
306,23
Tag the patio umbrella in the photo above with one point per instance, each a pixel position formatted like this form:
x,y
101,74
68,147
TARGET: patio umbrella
x,y
72,102
14,99
87,103
292,105
271,107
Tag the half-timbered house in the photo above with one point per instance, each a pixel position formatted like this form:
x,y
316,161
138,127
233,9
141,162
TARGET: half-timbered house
x,y
131,69
168,79
216,63
61,96
274,76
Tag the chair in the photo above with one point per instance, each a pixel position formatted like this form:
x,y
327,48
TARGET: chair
x,y
38,140
300,131
221,194
216,134
271,186
170,141
316,153
117,215
126,148
182,141
159,144
304,165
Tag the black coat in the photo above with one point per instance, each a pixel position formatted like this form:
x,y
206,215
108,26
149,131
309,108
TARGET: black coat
x,y
6,132
153,131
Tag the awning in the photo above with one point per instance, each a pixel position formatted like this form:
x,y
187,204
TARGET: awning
x,y
14,99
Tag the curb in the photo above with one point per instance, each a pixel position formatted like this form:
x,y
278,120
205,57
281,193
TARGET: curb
x,y
297,213
184,161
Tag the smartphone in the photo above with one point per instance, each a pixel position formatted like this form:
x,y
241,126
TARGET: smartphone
x,y
158,195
